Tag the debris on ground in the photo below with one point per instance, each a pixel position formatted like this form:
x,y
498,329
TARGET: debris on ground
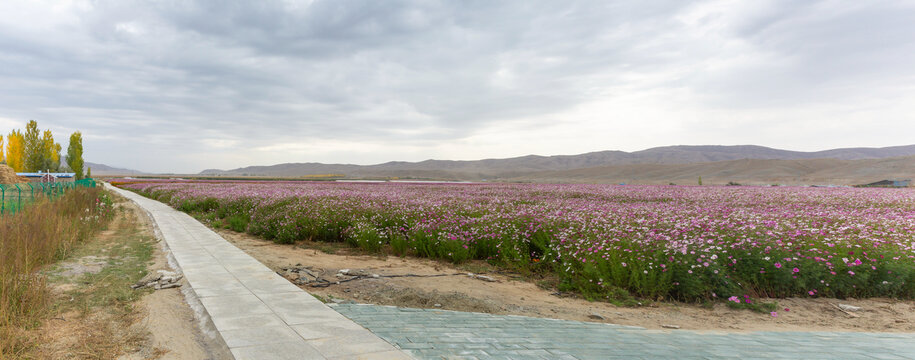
x,y
847,307
308,275
482,277
670,326
839,307
596,316
161,279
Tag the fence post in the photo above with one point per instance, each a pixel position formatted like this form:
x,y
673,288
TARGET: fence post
x,y
19,201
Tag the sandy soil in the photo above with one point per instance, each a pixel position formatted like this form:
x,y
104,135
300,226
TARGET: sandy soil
x,y
512,295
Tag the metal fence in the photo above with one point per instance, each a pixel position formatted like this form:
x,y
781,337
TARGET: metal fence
x,y
13,197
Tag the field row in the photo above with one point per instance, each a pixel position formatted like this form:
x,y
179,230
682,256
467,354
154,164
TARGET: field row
x,y
679,242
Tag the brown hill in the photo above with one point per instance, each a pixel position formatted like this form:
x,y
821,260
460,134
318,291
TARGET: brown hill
x,y
745,171
533,165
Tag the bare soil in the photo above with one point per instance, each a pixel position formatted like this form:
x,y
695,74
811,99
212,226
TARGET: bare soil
x,y
511,294
160,325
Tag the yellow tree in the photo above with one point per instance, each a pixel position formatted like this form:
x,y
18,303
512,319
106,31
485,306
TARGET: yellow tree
x,y
2,158
50,152
15,151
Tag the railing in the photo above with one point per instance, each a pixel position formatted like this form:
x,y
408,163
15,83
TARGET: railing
x,y
13,197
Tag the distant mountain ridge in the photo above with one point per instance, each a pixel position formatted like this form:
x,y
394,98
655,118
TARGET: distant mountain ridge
x,y
102,169
519,168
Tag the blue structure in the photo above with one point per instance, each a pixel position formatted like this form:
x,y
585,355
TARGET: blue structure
x,y
48,177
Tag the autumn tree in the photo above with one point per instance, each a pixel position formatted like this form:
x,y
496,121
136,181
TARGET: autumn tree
x,y
15,151
2,158
41,152
34,149
50,157
75,154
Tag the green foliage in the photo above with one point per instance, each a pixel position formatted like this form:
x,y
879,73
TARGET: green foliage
x,y
528,245
34,154
746,303
238,222
75,154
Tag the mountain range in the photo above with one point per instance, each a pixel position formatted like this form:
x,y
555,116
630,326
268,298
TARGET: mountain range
x,y
102,169
715,163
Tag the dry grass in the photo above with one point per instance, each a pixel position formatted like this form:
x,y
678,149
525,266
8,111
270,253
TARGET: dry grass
x,y
40,234
93,313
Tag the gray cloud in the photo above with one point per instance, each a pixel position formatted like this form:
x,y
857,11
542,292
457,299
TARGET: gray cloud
x,y
182,86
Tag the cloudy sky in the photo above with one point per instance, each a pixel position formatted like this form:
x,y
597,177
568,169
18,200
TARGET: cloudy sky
x,y
181,86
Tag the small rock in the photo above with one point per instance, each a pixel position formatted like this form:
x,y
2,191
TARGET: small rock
x,y
847,307
670,326
344,271
485,278
376,276
437,305
596,316
339,275
337,301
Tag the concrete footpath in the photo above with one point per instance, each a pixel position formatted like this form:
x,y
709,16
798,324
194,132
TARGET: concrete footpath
x,y
257,313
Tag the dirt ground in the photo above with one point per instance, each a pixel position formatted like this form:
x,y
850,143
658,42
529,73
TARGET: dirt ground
x,y
160,325
513,295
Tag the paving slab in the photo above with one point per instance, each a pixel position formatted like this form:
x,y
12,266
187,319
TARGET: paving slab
x,y
257,313
421,333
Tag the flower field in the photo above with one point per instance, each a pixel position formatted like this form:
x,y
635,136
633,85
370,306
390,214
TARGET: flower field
x,y
673,242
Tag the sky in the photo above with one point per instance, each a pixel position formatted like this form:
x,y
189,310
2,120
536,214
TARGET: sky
x,y
183,86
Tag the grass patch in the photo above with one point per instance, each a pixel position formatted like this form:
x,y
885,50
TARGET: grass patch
x,y
101,304
753,305
42,233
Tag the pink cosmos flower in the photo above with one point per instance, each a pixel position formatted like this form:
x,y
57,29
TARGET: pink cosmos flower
x,y
778,265
774,314
795,270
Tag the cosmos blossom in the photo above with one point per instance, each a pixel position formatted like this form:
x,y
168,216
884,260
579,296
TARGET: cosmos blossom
x,y
678,241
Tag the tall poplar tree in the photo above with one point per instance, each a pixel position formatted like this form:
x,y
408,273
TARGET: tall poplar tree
x,y
50,152
75,154
15,151
34,149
